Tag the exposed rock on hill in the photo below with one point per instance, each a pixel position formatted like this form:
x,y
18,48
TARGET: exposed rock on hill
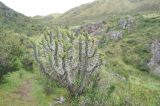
x,y
115,35
5,11
127,23
91,28
155,60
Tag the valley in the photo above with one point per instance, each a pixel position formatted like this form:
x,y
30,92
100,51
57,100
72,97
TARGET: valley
x,y
104,53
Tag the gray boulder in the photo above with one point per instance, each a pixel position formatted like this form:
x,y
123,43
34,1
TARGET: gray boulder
x,y
127,23
59,101
155,60
115,35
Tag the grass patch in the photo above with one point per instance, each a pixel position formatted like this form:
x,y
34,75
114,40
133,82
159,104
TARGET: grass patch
x,y
13,81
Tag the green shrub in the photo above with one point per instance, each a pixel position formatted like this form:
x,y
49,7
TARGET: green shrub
x,y
139,56
28,63
48,85
16,64
12,50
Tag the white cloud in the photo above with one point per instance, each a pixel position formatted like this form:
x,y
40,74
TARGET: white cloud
x,y
43,7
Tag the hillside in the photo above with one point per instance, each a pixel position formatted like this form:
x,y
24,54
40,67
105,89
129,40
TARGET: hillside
x,y
16,22
108,55
49,19
100,9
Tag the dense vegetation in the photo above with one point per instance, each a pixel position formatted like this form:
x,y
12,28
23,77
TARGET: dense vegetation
x,y
55,66
13,52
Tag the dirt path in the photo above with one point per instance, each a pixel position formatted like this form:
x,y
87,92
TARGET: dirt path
x,y
23,94
25,90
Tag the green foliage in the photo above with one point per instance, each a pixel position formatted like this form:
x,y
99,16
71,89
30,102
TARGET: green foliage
x,y
139,55
49,86
46,91
16,64
28,62
125,80
12,83
12,51
13,21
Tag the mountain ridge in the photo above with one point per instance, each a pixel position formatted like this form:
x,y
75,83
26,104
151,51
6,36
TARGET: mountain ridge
x,y
100,8
14,21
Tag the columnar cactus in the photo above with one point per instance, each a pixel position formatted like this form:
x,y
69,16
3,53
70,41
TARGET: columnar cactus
x,y
70,60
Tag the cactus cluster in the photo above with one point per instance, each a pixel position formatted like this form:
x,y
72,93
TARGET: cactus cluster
x,y
68,59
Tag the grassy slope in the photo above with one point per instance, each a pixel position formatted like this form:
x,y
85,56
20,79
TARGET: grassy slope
x,y
16,23
49,19
13,21
9,90
102,8
133,86
124,68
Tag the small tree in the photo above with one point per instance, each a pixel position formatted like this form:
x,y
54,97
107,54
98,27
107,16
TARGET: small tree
x,y
68,59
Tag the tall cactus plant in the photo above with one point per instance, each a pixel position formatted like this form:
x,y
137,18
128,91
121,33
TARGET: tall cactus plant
x,y
70,60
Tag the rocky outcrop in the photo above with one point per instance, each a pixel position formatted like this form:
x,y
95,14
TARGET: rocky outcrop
x,y
58,101
91,28
6,11
155,60
9,13
127,23
115,35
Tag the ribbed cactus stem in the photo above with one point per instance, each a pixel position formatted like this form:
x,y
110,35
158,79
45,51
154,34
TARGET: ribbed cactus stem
x,y
64,62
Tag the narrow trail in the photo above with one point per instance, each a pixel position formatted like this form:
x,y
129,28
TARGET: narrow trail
x,y
24,91
23,94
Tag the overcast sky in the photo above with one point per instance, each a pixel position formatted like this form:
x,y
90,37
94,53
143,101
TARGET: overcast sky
x,y
43,7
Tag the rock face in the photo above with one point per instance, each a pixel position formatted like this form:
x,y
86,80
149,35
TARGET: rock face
x,y
5,11
155,60
127,23
91,28
115,35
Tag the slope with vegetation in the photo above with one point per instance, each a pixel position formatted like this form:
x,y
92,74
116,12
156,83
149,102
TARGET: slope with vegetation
x,y
49,19
127,66
121,32
15,22
100,9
